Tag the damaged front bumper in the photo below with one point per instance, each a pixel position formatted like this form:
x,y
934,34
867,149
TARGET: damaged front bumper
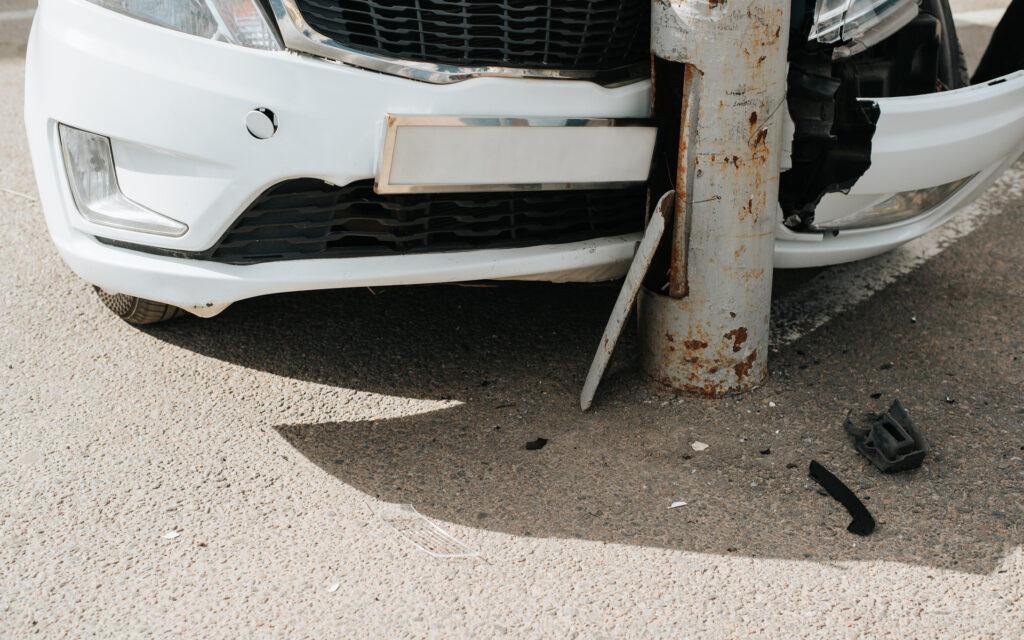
x,y
930,156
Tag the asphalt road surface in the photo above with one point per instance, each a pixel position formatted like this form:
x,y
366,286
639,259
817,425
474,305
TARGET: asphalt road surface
x,y
221,478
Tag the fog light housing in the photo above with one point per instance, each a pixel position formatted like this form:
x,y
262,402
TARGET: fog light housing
x,y
89,164
855,25
896,208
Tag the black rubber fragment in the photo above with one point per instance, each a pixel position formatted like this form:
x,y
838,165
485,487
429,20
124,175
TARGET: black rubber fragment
x,y
890,440
539,443
863,524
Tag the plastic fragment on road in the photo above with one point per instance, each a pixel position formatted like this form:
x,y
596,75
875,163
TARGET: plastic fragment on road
x,y
863,523
171,535
539,443
627,296
334,587
410,524
698,446
676,504
891,441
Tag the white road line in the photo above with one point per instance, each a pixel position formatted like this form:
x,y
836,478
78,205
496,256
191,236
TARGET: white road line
x,y
12,16
832,292
982,18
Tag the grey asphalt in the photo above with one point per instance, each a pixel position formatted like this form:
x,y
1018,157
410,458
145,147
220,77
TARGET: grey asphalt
x,y
267,436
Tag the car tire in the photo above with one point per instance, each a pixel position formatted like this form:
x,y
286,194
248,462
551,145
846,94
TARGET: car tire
x,y
952,63
135,310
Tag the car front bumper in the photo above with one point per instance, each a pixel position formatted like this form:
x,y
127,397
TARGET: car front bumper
x,y
174,108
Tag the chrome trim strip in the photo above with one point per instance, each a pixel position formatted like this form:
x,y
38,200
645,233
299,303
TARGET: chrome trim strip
x,y
382,181
299,36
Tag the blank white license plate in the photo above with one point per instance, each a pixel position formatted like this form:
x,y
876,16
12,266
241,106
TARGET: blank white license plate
x,y
438,154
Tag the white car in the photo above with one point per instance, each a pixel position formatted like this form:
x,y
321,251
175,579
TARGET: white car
x,y
194,153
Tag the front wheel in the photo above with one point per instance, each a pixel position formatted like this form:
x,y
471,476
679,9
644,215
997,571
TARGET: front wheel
x,y
136,310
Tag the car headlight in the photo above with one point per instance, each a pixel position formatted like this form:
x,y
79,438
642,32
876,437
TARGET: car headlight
x,y
855,25
241,22
897,208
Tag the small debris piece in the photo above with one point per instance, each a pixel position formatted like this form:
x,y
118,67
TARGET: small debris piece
x,y
887,365
676,504
171,535
771,404
536,444
334,587
698,446
876,396
766,452
731,549
792,466
950,400
409,523
913,319
863,524
889,440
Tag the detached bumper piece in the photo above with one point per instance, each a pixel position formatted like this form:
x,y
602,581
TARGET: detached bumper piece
x,y
863,523
891,441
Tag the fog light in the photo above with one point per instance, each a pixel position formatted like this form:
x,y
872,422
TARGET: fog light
x,y
90,167
896,208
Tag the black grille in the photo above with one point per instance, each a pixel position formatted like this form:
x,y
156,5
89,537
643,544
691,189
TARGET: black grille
x,y
308,218
582,35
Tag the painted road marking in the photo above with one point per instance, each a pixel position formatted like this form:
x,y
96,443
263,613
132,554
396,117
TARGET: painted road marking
x,y
12,16
982,18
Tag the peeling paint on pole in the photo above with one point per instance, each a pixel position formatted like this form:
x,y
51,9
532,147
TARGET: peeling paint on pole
x,y
709,335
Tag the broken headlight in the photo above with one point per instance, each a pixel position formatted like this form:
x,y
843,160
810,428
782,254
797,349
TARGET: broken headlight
x,y
855,25
240,22
896,208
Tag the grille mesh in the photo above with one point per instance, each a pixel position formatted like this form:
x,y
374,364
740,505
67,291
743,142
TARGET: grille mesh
x,y
585,35
309,218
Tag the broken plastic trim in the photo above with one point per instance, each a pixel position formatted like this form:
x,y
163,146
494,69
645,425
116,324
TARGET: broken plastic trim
x,y
891,441
863,523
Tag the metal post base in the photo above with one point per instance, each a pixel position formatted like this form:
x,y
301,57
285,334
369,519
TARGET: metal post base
x,y
706,332
703,360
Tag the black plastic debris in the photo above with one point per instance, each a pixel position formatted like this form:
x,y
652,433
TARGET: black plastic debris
x,y
889,440
863,523
792,466
766,452
876,396
536,444
950,400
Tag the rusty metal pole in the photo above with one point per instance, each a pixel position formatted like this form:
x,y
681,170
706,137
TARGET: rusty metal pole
x,y
707,332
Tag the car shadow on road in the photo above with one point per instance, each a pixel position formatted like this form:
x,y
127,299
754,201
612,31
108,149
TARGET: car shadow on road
x,y
515,357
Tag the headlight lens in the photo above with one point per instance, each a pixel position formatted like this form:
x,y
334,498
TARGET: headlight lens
x,y
93,181
898,207
859,24
239,22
